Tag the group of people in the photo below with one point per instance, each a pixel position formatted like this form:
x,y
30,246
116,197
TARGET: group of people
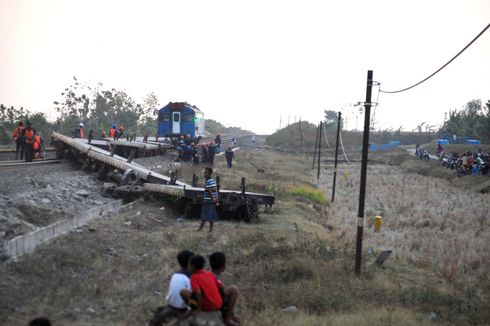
x,y
28,142
193,290
468,163
115,133
189,150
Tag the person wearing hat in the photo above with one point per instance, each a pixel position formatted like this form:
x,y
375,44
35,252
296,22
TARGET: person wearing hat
x,y
80,130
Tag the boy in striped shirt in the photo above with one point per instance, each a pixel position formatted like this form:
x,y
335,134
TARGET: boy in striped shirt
x,y
209,200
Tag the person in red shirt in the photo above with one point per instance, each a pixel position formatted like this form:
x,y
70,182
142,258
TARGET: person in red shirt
x,y
205,295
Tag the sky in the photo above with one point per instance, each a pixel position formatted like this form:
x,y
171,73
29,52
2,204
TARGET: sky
x,y
253,64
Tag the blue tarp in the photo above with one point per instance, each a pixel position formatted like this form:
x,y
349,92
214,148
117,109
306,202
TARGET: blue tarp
x,y
390,145
472,142
443,142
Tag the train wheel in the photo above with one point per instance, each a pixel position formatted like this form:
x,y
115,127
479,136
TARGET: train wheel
x,y
252,212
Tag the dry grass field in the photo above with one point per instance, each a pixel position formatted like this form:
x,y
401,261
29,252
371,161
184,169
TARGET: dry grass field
x,y
426,221
301,254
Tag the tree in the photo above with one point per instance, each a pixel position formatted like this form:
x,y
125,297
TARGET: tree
x,y
331,118
97,108
472,121
10,116
148,120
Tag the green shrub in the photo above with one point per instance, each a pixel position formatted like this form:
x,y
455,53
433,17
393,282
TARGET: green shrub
x,y
313,194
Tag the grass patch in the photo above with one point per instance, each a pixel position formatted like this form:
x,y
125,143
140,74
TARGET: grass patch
x,y
313,194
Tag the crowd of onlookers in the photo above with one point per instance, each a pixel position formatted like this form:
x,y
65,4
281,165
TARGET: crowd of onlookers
x,y
469,163
192,150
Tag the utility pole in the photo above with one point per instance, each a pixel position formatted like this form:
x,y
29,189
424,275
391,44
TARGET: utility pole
x,y
301,137
319,148
336,155
362,190
280,121
316,144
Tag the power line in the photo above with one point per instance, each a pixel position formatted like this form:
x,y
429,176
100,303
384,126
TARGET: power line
x,y
444,66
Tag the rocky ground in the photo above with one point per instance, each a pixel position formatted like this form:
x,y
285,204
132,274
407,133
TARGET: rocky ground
x,y
36,196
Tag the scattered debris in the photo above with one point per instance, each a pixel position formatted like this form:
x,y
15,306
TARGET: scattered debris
x,y
290,309
155,219
432,316
82,193
383,256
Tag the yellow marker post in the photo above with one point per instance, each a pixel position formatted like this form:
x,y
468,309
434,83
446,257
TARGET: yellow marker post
x,y
377,223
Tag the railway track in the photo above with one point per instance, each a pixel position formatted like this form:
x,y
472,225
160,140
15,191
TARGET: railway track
x,y
16,163
9,154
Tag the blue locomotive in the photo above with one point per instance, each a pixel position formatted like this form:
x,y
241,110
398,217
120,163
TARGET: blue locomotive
x,y
180,118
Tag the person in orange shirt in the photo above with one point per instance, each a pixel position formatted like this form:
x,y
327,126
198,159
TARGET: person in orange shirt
x,y
29,142
79,131
19,142
38,146
112,132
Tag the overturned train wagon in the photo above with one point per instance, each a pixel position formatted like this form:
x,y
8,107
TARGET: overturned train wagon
x,y
132,180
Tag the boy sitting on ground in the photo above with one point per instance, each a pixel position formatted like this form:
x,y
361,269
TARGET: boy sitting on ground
x,y
229,294
205,295
176,307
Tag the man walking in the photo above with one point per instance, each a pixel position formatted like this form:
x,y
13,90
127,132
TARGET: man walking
x,y
230,155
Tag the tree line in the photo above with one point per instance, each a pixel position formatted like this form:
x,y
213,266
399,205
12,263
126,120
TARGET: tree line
x,y
97,107
472,121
